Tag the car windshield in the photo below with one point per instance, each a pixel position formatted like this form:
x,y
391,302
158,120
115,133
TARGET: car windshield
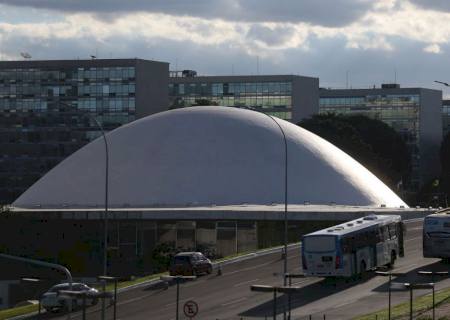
x,y
181,260
75,287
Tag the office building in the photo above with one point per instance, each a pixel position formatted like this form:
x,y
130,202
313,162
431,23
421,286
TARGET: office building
x,y
287,97
47,110
445,117
416,113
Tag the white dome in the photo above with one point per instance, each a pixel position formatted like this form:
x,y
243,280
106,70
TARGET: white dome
x,y
204,156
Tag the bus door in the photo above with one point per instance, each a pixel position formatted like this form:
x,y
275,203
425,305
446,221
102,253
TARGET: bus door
x,y
400,230
382,252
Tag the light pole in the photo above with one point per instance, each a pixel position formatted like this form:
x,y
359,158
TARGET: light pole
x,y
285,198
177,279
411,287
105,218
390,275
432,274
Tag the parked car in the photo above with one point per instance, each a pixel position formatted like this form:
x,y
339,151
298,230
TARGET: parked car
x,y
53,301
190,263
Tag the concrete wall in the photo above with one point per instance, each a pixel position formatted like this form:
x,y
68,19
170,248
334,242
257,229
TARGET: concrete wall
x,y
430,128
152,87
305,98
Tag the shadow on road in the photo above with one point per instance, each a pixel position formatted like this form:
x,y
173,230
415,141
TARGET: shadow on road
x,y
412,276
306,295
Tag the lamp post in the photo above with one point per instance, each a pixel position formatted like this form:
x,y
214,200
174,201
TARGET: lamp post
x,y
105,218
390,275
285,198
432,274
104,279
177,279
411,287
290,276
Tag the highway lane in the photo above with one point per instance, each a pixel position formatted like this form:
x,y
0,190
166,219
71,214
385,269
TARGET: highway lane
x,y
229,297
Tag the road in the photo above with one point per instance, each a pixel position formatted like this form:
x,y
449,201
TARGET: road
x,y
228,296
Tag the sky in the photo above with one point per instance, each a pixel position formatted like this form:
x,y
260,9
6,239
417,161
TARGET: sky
x,y
346,43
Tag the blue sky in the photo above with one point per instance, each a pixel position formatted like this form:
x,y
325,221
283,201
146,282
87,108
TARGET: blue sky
x,y
359,43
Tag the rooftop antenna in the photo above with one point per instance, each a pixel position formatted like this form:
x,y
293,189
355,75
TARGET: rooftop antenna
x,y
395,75
257,65
93,57
25,55
346,79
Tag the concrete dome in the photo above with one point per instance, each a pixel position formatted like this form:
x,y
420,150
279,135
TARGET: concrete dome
x,y
208,155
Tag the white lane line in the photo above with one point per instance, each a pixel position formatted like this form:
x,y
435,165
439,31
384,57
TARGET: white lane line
x,y
245,282
233,302
250,268
184,300
406,267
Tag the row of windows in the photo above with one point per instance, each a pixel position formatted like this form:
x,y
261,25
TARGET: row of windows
x,y
256,102
120,104
67,90
371,237
75,74
232,88
371,100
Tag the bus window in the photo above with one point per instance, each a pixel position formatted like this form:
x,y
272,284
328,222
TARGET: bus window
x,y
392,231
319,243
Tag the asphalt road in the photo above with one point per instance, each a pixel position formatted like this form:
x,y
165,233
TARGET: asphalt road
x,y
228,296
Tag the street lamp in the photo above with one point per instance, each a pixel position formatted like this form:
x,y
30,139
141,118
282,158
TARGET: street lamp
x,y
275,289
105,218
411,287
177,279
285,197
104,279
390,275
432,274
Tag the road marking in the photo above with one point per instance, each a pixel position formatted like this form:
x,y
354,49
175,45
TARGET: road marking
x,y
406,267
250,268
233,302
245,282
184,300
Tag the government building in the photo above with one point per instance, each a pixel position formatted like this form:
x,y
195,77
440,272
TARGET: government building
x,y
47,110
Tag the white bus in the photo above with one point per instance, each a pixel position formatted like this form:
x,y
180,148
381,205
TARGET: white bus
x,y
353,247
436,235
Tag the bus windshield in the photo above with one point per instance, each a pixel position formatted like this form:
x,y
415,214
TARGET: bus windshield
x,y
319,243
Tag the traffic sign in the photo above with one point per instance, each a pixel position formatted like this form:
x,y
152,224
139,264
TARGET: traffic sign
x,y
190,309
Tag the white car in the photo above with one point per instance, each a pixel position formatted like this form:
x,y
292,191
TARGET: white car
x,y
53,301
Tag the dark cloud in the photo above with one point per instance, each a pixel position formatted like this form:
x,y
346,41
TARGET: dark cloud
x,y
439,5
270,36
319,12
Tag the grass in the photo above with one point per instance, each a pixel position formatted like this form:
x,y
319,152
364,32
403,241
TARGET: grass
x,y
420,305
14,312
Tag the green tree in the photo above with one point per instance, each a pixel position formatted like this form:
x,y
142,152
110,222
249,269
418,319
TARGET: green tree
x,y
369,141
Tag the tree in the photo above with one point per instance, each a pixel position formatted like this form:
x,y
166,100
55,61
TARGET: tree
x,y
369,141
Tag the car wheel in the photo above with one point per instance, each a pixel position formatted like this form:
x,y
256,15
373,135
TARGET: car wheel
x,y
209,269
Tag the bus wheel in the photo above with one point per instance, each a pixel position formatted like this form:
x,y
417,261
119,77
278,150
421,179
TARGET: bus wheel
x,y
362,269
393,258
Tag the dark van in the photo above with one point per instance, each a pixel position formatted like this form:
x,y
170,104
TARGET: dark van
x,y
190,264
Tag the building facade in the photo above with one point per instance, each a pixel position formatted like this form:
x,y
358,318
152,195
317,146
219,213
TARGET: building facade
x,y
288,97
445,117
415,113
47,110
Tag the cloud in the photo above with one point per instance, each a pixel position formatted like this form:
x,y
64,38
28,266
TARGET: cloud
x,y
433,48
439,5
319,12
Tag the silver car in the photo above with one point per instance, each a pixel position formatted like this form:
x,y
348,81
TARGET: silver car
x,y
53,301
